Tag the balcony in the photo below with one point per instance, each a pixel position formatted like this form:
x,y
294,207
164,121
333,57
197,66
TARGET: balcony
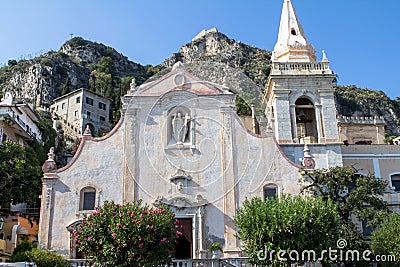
x,y
302,67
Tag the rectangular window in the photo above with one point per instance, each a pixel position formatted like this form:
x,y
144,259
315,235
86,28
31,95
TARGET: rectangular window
x,y
63,106
88,200
76,114
395,179
89,101
270,192
102,118
366,229
88,114
102,106
78,99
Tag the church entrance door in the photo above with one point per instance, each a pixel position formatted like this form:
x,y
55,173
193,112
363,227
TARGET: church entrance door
x,y
183,249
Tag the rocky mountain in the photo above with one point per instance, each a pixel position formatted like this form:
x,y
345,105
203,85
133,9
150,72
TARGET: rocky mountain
x,y
213,46
41,79
211,55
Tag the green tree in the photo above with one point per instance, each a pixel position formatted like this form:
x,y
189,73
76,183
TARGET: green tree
x,y
12,62
106,65
386,238
101,83
20,174
127,235
291,223
357,198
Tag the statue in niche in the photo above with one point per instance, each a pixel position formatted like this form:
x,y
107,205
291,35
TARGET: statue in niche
x,y
180,127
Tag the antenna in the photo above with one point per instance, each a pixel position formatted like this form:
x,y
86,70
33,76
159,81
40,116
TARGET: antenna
x,y
71,34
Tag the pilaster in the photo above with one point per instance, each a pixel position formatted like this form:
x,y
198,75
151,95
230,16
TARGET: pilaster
x,y
49,181
329,119
130,175
283,124
231,248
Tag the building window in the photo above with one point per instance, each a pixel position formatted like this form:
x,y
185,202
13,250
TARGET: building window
x,y
78,99
366,228
89,101
270,191
102,106
76,114
87,198
63,106
395,180
102,118
88,114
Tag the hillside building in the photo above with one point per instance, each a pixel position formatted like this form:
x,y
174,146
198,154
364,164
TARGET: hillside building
x,y
18,121
80,109
180,142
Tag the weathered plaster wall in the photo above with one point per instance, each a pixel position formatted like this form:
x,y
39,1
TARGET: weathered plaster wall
x,y
97,164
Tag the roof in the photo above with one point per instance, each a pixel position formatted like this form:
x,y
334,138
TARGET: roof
x,y
76,91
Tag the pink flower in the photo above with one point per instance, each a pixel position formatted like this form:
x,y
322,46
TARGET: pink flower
x,y
114,235
163,240
89,238
141,216
141,245
75,232
150,226
120,215
178,233
118,224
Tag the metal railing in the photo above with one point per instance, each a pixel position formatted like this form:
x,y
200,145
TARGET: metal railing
x,y
225,262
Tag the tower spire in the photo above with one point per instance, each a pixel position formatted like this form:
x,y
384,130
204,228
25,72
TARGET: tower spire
x,y
292,44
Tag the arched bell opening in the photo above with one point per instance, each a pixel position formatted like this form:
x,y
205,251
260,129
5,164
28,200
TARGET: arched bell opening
x,y
306,125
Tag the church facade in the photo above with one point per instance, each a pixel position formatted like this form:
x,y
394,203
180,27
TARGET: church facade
x,y
180,142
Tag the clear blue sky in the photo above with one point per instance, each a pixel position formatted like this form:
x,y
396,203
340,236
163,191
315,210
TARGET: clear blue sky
x,y
359,36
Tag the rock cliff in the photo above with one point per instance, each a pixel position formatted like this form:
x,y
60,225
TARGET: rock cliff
x,y
48,76
41,79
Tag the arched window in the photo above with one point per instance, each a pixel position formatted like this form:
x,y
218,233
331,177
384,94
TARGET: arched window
x,y
306,124
87,198
270,191
395,181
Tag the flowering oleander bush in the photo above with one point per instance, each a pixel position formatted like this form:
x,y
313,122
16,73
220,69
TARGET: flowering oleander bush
x,y
128,235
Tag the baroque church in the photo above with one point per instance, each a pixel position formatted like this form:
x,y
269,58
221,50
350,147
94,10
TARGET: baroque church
x,y
180,142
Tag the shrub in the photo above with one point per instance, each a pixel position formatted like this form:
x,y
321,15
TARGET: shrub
x,y
76,41
19,252
127,235
44,258
386,239
11,62
290,223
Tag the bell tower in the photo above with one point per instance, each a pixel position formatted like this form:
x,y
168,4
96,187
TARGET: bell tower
x,y
299,92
